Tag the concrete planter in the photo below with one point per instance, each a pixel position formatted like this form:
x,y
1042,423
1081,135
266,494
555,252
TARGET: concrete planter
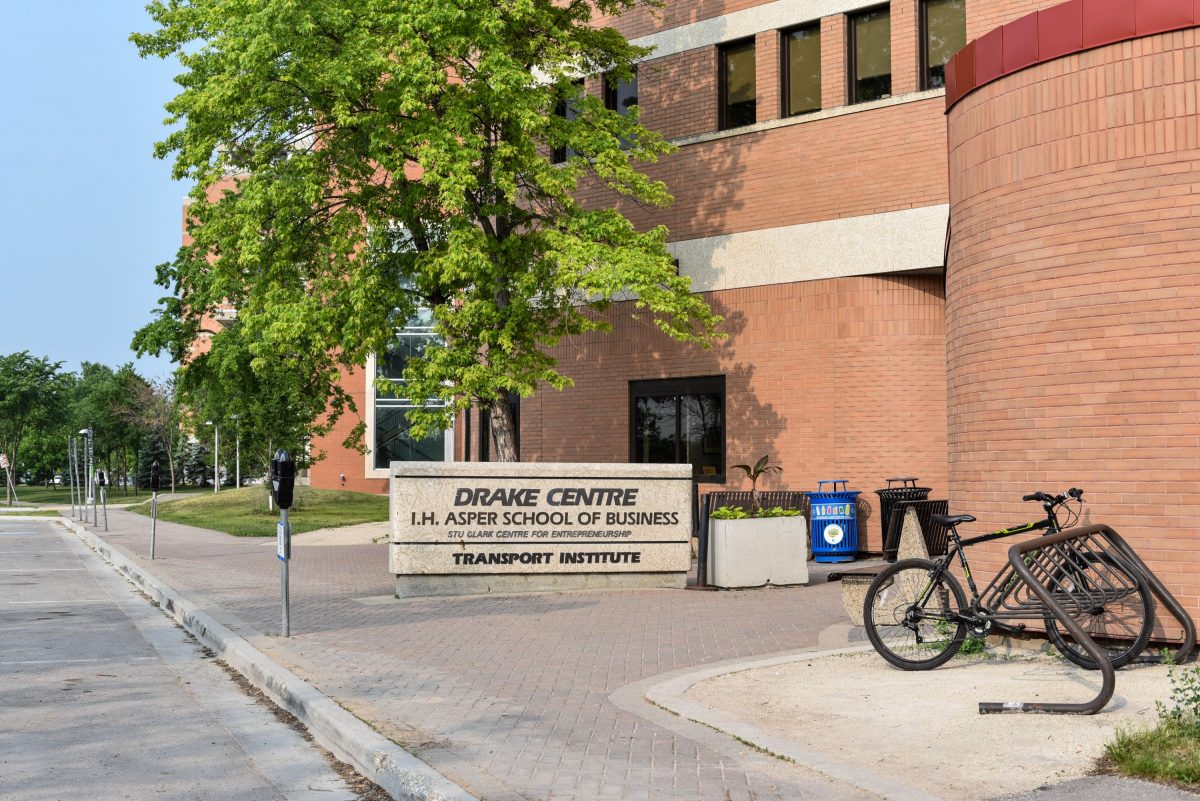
x,y
758,551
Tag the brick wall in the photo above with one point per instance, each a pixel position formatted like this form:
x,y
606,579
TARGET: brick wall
x,y
841,378
340,461
869,162
1073,297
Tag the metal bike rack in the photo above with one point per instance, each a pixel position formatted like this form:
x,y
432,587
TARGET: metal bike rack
x,y
1039,562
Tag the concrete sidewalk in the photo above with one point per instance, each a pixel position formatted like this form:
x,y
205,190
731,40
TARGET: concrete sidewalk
x,y
508,696
545,696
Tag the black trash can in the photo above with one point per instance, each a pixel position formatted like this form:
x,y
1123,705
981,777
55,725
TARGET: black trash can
x,y
888,498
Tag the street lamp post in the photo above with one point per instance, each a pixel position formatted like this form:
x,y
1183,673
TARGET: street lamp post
x,y
216,456
89,466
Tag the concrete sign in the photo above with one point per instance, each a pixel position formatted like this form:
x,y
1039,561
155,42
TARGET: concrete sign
x,y
461,528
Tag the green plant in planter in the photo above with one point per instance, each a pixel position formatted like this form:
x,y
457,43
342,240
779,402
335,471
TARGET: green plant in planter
x,y
738,513
761,468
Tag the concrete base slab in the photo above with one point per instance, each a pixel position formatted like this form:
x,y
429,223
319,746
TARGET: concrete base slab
x,y
422,586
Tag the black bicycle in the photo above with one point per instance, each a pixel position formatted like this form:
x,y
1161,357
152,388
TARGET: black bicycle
x,y
917,616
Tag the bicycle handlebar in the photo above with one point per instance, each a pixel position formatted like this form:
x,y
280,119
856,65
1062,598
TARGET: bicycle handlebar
x,y
1074,494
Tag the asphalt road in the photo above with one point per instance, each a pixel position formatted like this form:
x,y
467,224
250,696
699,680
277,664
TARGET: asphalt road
x,y
103,697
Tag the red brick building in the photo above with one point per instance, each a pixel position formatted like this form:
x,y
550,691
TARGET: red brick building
x,y
982,272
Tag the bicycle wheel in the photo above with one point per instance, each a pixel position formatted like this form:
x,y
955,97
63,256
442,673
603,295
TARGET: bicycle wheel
x,y
914,624
1113,607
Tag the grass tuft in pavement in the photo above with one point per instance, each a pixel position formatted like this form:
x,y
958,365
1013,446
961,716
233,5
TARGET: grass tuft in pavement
x,y
243,512
1169,752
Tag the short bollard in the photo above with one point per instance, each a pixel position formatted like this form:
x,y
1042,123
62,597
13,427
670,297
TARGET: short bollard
x,y
155,483
283,478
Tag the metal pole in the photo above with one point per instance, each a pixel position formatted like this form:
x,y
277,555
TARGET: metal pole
x,y
216,458
75,479
153,519
237,449
70,474
283,571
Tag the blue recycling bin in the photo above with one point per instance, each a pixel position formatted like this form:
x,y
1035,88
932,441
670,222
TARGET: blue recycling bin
x,y
834,522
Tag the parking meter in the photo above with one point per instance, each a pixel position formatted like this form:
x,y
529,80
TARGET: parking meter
x,y
155,477
283,478
103,493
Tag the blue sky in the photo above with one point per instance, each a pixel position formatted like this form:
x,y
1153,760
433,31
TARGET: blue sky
x,y
86,211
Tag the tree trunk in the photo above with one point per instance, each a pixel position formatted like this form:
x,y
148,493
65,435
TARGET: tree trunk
x,y
503,432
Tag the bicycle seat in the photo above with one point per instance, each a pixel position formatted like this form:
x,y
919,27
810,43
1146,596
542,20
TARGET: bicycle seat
x,y
951,520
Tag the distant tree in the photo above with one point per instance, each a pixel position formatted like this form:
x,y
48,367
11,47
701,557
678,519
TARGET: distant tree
x,y
276,405
196,457
31,400
154,409
392,157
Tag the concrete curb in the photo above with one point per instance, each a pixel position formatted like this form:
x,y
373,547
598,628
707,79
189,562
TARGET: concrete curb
x,y
669,695
398,772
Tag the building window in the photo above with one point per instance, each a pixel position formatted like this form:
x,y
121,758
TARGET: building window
x,y
943,33
802,70
568,110
870,50
736,85
680,421
620,95
393,440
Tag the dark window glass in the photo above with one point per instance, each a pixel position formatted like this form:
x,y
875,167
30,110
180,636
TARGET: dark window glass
x,y
681,421
943,33
393,442
802,70
870,55
567,109
737,95
620,95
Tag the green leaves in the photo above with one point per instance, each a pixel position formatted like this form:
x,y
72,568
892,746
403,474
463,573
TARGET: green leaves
x,y
391,157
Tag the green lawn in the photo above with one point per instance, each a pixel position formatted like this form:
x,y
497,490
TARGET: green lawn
x,y
62,495
243,512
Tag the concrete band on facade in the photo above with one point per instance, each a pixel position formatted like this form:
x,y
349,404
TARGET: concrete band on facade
x,y
1073,295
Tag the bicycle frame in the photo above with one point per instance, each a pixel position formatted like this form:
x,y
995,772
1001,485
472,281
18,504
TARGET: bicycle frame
x,y
1001,585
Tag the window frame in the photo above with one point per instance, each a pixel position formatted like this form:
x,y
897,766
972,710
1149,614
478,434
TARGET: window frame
x,y
722,85
852,98
785,81
923,45
679,387
371,371
611,86
560,154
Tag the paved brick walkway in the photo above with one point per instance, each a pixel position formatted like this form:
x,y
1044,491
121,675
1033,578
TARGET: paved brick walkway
x,y
506,695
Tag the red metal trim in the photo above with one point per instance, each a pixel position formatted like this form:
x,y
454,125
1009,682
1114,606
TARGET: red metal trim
x,y
1020,43
1061,30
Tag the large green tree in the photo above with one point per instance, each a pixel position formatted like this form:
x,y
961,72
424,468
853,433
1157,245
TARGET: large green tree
x,y
31,400
358,160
